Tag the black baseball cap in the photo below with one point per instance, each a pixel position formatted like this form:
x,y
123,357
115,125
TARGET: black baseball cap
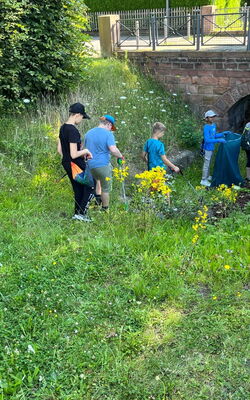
x,y
78,108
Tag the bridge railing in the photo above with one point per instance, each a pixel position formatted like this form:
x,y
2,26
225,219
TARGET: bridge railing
x,y
193,30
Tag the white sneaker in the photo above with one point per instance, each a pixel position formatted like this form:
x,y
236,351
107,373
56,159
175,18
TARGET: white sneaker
x,y
81,217
205,182
210,178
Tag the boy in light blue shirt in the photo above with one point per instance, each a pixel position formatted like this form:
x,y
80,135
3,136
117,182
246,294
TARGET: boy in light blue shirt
x,y
102,142
154,151
210,139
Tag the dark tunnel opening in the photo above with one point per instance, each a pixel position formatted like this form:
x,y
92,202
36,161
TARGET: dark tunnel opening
x,y
239,114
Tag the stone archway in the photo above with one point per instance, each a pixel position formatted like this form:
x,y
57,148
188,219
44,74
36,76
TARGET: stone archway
x,y
233,100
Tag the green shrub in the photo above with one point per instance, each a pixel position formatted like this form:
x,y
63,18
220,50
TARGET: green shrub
x,y
42,47
120,5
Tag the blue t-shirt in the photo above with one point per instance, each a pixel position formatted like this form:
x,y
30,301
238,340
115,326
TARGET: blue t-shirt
x,y
155,149
211,137
97,141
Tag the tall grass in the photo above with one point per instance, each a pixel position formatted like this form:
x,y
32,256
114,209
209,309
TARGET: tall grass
x,y
116,309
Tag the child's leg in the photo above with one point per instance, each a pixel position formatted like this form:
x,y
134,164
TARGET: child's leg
x,y
98,190
206,165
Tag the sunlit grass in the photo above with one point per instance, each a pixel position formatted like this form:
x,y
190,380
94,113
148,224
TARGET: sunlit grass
x,y
117,309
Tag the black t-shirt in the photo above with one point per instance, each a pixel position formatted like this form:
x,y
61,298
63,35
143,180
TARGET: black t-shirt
x,y
70,134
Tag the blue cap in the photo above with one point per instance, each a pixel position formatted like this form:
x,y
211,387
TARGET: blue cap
x,y
109,118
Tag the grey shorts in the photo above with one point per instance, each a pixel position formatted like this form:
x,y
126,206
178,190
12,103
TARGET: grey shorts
x,y
101,174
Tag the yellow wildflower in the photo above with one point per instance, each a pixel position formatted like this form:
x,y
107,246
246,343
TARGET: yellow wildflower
x,y
227,266
195,239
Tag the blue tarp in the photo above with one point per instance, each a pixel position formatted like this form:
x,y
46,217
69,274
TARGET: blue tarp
x,y
226,168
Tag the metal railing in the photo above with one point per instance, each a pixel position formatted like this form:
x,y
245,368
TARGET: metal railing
x,y
224,29
131,35
194,30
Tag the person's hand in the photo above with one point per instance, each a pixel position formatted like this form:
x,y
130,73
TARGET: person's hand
x,y
223,141
120,160
176,169
87,154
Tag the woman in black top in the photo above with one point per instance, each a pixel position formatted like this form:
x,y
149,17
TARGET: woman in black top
x,y
69,147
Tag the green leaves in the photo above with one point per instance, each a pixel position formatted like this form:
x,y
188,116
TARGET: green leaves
x,y
120,5
42,47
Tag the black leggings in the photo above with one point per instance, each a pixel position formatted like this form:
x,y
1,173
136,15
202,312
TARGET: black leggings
x,y
248,158
83,194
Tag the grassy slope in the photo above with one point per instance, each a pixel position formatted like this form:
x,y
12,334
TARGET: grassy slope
x,y
114,310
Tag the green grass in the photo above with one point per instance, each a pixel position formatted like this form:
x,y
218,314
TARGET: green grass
x,y
117,309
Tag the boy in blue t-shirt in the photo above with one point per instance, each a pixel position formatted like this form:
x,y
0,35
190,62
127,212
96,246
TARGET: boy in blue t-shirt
x,y
210,139
154,152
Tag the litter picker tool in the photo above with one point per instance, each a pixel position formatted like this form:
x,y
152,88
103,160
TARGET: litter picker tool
x,y
188,182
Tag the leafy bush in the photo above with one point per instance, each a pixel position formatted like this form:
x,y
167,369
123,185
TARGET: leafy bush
x,y
42,47
120,5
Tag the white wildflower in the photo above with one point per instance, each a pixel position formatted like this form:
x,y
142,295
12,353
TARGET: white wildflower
x,y
123,97
26,101
30,349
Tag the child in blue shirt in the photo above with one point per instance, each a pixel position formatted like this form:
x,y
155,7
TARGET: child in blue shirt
x,y
154,151
210,138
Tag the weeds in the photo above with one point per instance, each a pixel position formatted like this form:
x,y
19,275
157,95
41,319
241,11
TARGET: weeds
x,y
107,311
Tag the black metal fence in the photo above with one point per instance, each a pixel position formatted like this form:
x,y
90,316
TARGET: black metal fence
x,y
193,30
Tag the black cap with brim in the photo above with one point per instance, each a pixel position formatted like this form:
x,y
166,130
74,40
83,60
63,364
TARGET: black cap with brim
x,y
78,108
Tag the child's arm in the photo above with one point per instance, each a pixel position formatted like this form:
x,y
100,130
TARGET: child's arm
x,y
207,136
169,164
219,135
59,147
144,156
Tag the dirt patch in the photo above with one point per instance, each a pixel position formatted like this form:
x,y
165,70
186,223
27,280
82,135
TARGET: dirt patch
x,y
242,199
221,211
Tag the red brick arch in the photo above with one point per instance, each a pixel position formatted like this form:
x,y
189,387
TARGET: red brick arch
x,y
228,99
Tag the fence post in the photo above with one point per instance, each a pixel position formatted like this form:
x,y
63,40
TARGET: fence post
x,y
165,25
188,25
198,31
137,34
109,35
248,33
153,32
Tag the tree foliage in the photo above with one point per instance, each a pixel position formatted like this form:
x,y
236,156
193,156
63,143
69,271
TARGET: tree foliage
x,y
42,46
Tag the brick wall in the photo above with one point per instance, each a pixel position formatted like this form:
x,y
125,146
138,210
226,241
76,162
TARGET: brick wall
x,y
209,79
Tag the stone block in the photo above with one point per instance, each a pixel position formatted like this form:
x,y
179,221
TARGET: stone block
x,y
244,66
235,95
205,89
208,80
230,66
223,81
221,105
220,89
109,32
